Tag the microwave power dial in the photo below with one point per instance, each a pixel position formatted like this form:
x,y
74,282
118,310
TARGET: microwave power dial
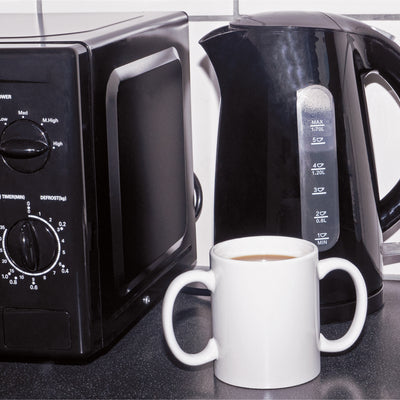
x,y
24,146
32,246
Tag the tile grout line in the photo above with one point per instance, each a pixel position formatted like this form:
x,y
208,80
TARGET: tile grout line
x,y
200,18
236,8
375,17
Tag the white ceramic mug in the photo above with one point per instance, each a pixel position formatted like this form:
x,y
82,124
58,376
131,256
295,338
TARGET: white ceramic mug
x,y
265,315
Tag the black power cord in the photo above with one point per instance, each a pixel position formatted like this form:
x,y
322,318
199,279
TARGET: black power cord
x,y
194,291
198,197
198,205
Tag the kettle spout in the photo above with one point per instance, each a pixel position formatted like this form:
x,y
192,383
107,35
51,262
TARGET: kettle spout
x,y
221,46
213,36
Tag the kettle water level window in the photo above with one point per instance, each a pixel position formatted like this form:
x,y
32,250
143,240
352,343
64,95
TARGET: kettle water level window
x,y
318,166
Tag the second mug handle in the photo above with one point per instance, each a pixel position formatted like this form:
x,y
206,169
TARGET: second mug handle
x,y
346,341
210,353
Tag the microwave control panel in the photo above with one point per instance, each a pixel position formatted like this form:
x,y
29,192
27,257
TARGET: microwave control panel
x,y
32,245
42,226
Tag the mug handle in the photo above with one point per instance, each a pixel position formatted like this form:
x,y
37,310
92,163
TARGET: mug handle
x,y
210,352
346,341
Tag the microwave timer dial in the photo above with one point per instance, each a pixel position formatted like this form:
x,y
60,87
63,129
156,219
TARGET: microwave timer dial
x,y
32,246
24,146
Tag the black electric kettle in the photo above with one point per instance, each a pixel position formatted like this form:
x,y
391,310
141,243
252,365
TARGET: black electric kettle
x,y
294,153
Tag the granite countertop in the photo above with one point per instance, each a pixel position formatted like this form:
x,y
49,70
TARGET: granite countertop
x,y
140,365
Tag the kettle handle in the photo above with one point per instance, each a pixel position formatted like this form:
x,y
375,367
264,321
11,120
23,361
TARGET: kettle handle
x,y
384,56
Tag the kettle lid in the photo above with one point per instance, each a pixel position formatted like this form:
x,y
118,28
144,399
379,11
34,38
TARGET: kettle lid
x,y
286,19
301,19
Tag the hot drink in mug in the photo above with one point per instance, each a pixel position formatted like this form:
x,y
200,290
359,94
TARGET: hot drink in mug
x,y
265,313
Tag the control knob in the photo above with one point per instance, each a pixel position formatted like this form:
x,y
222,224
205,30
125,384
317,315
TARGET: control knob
x,y
24,146
32,246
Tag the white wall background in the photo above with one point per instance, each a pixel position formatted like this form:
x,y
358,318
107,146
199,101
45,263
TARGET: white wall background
x,y
206,15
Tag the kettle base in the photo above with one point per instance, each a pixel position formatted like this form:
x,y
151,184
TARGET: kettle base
x,y
345,311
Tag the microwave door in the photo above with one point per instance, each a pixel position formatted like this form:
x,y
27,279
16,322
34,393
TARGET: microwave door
x,y
145,139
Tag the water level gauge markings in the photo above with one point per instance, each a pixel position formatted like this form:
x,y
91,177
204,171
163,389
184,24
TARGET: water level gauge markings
x,y
318,169
317,125
318,166
319,191
321,217
318,141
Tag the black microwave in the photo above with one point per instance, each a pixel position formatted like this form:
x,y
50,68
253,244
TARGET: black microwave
x,y
96,176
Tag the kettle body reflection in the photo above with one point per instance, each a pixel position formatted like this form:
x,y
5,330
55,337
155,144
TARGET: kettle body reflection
x,y
294,151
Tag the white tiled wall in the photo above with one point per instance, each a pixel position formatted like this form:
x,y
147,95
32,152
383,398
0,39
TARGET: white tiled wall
x,y
206,15
336,6
192,7
11,6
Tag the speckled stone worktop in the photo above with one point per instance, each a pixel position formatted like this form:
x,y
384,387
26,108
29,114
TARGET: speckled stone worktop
x,y
140,366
